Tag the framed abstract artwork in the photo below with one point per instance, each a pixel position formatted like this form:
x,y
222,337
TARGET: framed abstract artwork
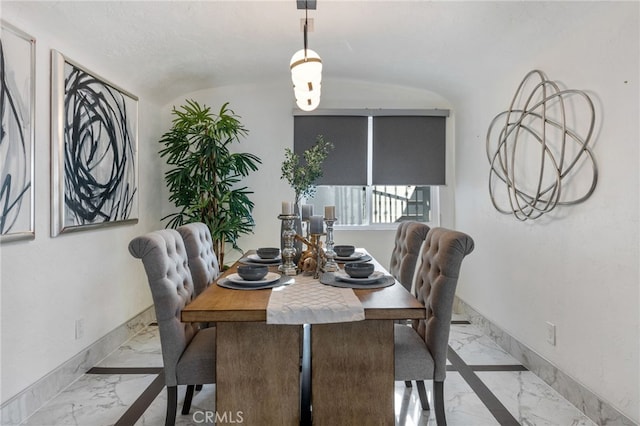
x,y
17,135
94,150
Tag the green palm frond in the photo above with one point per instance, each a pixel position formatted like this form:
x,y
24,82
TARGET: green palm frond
x,y
204,173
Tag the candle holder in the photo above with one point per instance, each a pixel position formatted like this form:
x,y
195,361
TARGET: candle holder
x,y
330,265
306,228
319,255
313,259
289,250
303,263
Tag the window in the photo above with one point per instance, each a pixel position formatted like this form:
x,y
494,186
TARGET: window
x,y
377,204
386,165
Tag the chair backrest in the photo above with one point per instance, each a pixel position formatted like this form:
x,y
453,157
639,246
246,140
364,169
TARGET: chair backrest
x,y
203,261
436,282
166,264
409,238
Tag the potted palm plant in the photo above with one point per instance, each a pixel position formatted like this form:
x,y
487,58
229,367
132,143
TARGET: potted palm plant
x,y
205,175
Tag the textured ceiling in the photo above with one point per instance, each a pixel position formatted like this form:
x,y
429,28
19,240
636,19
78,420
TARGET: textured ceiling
x,y
169,48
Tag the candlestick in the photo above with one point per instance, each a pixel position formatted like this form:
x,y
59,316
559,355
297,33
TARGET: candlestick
x,y
330,265
289,250
316,225
329,212
287,207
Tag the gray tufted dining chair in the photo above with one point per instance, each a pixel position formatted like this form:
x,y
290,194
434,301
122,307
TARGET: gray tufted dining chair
x,y
203,264
421,349
203,261
408,240
404,259
188,353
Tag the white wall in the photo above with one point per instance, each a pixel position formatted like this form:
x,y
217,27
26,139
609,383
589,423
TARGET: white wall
x,y
578,266
266,110
49,283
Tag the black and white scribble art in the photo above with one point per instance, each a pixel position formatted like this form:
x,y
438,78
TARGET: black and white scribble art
x,y
98,153
17,82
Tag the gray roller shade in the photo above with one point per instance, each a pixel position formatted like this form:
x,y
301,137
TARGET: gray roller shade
x,y
408,150
347,162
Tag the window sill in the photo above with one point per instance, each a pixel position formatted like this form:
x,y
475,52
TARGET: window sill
x,y
376,227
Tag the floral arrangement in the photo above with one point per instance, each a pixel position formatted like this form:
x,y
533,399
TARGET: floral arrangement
x,y
302,177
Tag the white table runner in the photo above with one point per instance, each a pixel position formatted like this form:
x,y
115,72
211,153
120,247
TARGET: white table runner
x,y
307,301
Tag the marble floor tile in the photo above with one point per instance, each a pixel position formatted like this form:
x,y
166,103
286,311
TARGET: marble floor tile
x,y
459,317
531,401
103,399
462,406
142,350
94,399
202,408
476,348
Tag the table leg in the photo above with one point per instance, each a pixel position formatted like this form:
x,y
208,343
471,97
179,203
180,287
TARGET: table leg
x,y
258,373
305,379
352,375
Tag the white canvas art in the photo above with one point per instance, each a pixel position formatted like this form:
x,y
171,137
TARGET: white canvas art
x,y
17,135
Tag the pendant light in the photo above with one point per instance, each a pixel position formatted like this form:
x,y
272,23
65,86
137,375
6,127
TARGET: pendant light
x,y
306,74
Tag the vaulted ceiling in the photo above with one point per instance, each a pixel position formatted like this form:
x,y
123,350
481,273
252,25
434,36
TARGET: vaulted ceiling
x,y
168,48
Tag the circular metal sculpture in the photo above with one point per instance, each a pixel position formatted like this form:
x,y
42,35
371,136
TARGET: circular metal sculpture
x,y
533,153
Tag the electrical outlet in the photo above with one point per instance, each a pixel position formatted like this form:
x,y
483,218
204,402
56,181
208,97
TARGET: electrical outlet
x,y
79,328
551,333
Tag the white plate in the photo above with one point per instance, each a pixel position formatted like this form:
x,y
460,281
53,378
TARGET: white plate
x,y
343,276
355,256
257,259
269,278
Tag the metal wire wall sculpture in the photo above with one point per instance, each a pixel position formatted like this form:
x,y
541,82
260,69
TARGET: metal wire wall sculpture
x,y
538,131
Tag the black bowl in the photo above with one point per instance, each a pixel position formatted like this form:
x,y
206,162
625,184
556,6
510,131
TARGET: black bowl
x,y
344,250
359,270
268,252
252,272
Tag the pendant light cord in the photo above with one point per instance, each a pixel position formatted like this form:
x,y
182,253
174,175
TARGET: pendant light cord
x,y
306,13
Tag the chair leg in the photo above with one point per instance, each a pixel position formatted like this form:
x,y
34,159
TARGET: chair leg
x,y
407,384
422,393
186,405
172,404
438,390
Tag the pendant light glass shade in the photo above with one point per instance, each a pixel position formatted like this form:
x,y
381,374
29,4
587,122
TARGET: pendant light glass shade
x,y
306,65
308,104
306,75
309,89
307,100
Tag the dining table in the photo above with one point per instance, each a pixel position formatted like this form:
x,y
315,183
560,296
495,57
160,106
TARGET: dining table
x,y
261,374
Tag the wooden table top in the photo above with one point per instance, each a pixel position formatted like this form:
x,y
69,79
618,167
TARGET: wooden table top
x,y
221,304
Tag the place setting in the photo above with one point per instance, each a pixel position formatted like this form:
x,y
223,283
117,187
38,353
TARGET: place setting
x,y
253,277
347,253
263,256
357,275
